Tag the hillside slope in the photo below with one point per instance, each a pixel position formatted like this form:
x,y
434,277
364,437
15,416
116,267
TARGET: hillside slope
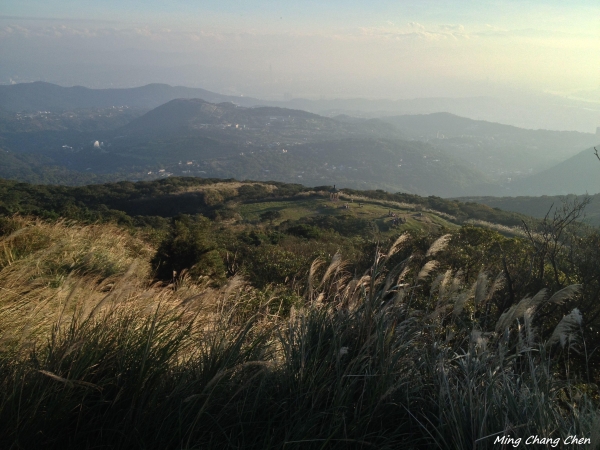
x,y
579,174
501,151
539,206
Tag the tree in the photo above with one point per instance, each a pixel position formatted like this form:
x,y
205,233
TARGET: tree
x,y
549,237
270,216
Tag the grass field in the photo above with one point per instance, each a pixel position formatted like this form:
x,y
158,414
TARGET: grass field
x,y
376,211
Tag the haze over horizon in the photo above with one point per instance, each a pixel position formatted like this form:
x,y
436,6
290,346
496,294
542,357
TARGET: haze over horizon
x,y
514,51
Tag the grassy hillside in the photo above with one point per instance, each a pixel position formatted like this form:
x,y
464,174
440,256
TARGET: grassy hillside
x,y
229,198
394,350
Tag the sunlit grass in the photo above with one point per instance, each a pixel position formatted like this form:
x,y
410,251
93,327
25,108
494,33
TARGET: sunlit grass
x,y
105,358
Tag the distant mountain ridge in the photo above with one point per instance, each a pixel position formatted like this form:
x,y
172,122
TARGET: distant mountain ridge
x,y
258,123
538,207
47,96
537,112
195,137
453,125
578,175
504,152
281,144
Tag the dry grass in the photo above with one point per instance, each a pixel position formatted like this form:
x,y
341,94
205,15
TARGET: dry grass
x,y
94,355
229,187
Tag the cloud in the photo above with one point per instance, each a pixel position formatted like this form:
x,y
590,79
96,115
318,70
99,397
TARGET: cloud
x,y
415,31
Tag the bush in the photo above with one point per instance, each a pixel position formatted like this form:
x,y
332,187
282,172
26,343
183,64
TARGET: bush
x,y
270,216
189,247
305,231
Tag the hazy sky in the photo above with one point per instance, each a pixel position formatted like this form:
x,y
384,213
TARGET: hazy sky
x,y
330,48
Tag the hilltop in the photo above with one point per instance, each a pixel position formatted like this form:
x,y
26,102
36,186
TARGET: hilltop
x,y
223,120
239,201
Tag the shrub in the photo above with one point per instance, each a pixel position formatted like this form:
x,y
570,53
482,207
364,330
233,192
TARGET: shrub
x,y
270,216
189,247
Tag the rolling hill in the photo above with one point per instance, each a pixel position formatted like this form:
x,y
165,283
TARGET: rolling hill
x,y
228,121
579,174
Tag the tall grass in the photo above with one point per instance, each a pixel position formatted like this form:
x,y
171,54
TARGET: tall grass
x,y
396,358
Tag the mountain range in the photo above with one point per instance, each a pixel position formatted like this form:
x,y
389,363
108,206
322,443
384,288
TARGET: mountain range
x,y
519,109
42,96
86,135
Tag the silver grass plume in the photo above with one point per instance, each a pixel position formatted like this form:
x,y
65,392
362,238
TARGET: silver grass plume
x,y
461,300
528,327
449,287
565,293
397,245
427,269
453,287
565,330
390,278
479,341
438,280
516,311
402,275
439,245
316,264
481,288
497,285
233,285
334,266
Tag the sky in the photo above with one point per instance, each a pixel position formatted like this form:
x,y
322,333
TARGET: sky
x,y
313,49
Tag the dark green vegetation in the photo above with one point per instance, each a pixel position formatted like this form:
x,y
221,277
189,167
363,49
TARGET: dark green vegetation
x,y
226,199
271,232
